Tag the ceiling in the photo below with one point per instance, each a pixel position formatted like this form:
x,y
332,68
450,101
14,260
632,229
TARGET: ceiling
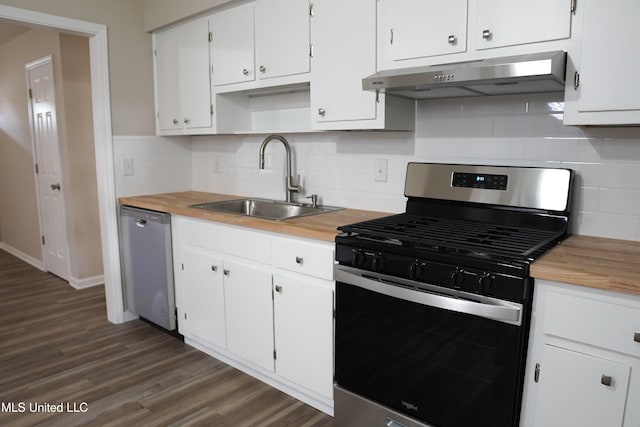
x,y
10,30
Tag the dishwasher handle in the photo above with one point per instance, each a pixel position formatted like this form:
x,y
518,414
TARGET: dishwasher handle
x,y
141,222
448,299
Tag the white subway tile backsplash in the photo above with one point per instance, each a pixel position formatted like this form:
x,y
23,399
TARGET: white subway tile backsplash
x,y
522,130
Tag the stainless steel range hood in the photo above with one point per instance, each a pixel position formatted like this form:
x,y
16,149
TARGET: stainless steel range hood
x,y
541,72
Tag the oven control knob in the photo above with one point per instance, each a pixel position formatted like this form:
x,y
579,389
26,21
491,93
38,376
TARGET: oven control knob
x,y
377,263
485,282
457,277
416,269
357,259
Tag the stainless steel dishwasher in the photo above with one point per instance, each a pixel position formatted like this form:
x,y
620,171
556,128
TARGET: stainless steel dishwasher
x,y
147,265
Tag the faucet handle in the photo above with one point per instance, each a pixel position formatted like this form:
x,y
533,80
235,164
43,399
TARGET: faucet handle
x,y
314,200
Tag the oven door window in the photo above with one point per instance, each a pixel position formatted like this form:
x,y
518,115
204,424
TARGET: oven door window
x,y
438,366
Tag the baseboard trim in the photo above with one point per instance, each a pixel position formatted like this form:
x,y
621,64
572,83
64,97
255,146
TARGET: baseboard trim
x,y
87,282
24,257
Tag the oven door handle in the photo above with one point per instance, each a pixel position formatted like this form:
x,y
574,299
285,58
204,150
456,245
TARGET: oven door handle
x,y
448,299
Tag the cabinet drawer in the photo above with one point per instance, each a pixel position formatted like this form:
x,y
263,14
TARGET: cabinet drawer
x,y
230,240
602,324
313,259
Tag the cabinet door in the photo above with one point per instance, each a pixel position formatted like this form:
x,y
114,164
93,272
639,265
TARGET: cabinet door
x,y
249,313
232,50
167,79
202,295
303,316
195,84
422,28
609,38
282,37
344,52
572,392
512,22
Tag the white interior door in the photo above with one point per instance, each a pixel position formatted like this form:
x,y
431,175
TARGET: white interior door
x,y
48,169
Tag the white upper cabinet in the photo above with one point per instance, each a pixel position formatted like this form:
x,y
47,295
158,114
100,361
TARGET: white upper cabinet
x,y
282,38
258,41
500,23
182,80
344,41
232,51
421,28
602,83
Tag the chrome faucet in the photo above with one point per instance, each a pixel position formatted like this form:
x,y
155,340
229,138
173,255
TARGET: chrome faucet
x,y
292,186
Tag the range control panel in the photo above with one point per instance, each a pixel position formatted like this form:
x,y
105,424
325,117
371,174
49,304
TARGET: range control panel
x,y
479,180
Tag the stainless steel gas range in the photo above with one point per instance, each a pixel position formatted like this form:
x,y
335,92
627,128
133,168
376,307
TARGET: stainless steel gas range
x,y
433,305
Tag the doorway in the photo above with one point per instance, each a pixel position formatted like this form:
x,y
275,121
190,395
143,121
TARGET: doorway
x,y
103,140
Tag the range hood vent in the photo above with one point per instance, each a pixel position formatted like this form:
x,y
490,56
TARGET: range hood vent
x,y
540,72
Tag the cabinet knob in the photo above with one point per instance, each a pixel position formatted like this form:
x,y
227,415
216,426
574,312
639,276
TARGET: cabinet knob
x,y
186,121
299,260
487,34
452,39
245,71
214,268
262,69
279,289
606,380
636,336
226,272
321,112
175,121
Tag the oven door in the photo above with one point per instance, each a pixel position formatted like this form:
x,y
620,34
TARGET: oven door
x,y
433,355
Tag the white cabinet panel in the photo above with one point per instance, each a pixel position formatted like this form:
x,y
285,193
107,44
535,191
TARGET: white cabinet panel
x,y
232,41
303,315
202,295
421,28
572,393
167,80
502,23
312,259
282,37
249,313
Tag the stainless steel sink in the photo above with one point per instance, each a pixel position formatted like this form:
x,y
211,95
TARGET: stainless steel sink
x,y
264,208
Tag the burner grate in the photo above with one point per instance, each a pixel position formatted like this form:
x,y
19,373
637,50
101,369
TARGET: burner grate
x,y
454,235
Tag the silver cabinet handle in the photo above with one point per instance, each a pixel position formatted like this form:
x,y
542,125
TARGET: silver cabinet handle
x,y
214,268
487,34
186,121
262,69
175,121
245,71
452,39
299,260
636,336
226,272
279,289
55,186
321,112
606,380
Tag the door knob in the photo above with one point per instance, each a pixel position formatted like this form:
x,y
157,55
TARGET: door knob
x,y
55,186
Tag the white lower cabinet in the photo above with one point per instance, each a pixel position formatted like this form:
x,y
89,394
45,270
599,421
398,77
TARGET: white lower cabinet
x,y
583,366
303,315
261,302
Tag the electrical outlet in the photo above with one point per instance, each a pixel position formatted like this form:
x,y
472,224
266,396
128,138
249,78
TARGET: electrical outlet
x,y
380,170
127,166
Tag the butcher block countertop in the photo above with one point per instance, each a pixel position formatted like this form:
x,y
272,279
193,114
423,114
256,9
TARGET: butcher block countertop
x,y
318,227
609,264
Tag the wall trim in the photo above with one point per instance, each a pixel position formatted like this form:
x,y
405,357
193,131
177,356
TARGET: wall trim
x,y
23,256
87,282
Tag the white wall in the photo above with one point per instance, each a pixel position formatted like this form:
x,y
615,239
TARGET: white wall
x,y
510,130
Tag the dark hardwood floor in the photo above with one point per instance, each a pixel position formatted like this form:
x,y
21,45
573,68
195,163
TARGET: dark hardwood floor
x,y
57,348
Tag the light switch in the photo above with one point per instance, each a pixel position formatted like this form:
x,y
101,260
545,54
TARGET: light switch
x,y
380,170
127,166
